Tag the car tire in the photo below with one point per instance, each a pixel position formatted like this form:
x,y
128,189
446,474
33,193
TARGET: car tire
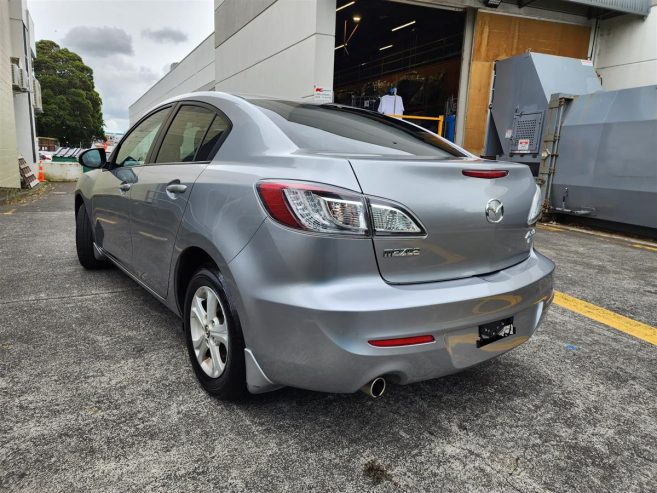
x,y
215,343
84,242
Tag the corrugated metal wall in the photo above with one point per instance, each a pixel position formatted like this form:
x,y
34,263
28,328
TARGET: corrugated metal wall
x,y
641,7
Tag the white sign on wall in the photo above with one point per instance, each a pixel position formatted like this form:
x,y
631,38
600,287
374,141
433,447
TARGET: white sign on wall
x,y
322,95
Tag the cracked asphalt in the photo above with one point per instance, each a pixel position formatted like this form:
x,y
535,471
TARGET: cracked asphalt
x,y
96,393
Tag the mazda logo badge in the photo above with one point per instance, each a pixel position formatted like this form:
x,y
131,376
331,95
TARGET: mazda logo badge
x,y
494,211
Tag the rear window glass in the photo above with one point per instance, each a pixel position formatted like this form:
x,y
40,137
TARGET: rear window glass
x,y
335,129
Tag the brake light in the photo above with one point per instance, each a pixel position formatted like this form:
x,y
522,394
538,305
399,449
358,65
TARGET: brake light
x,y
401,341
325,209
314,208
272,197
536,208
485,173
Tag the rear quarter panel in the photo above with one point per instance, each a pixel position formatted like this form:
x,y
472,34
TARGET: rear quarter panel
x,y
224,211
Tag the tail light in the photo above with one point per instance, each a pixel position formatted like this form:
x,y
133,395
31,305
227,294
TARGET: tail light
x,y
390,220
536,208
325,209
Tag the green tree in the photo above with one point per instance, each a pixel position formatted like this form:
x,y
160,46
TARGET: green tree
x,y
71,106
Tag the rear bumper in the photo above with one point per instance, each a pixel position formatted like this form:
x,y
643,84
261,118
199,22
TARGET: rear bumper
x,y
313,333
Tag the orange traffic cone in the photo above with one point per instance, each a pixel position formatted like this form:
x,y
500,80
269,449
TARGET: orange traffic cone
x,y
42,175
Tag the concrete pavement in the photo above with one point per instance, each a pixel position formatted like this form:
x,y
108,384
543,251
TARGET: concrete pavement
x,y
96,392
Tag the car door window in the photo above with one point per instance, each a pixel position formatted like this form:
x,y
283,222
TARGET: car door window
x,y
185,135
217,129
136,146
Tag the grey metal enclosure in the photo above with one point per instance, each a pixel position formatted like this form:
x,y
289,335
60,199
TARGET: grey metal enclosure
x,y
594,152
521,91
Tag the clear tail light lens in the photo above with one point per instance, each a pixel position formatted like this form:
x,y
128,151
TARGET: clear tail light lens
x,y
327,214
536,207
324,209
392,220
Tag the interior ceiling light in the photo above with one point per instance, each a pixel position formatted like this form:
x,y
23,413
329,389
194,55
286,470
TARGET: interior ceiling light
x,y
349,4
385,47
345,40
403,26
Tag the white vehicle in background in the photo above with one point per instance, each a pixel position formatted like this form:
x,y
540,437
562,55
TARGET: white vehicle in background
x,y
45,155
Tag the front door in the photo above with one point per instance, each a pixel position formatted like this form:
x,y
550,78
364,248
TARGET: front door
x,y
110,212
111,202
160,195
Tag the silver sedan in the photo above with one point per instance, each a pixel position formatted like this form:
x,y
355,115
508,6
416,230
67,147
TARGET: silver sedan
x,y
317,246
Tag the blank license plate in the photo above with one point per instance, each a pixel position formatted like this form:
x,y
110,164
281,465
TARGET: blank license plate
x,y
494,331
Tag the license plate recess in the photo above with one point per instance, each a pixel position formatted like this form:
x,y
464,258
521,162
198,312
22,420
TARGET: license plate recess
x,y
494,331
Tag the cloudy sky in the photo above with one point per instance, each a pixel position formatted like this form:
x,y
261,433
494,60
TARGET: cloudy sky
x,y
129,44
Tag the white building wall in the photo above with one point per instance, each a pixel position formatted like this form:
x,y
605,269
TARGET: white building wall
x,y
22,47
26,141
195,72
625,53
9,176
280,48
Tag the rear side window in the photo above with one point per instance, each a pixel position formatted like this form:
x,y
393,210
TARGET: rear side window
x,y
185,135
335,129
217,129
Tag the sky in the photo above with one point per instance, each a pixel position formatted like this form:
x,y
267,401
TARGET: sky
x,y
128,44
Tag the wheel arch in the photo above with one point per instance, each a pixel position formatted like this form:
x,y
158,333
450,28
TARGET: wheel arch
x,y
189,261
79,202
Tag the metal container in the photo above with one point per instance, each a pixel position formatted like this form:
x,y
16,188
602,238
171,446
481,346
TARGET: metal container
x,y
594,152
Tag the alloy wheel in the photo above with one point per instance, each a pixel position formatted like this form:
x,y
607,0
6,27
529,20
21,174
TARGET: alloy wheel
x,y
209,331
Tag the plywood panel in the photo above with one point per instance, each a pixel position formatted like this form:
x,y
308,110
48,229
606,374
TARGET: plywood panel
x,y
501,36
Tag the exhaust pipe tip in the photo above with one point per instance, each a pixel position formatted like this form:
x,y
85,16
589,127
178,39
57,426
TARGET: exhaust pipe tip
x,y
375,388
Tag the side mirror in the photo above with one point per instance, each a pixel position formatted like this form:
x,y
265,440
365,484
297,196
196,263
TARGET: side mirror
x,y
93,158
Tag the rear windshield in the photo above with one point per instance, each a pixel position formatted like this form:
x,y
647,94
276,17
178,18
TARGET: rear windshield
x,y
336,129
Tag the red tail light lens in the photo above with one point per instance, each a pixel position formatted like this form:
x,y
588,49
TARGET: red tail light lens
x,y
401,341
274,200
486,173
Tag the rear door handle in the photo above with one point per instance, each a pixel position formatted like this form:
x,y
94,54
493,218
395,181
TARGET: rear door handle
x,y
176,188
125,187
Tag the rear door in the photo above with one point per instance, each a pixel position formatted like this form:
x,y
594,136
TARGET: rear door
x,y
111,200
161,193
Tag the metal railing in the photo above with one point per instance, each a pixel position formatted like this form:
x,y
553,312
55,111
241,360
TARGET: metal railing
x,y
440,119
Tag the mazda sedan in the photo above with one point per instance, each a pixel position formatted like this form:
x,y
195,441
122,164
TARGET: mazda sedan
x,y
323,247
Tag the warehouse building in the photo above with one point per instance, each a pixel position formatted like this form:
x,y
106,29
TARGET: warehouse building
x,y
437,54
20,92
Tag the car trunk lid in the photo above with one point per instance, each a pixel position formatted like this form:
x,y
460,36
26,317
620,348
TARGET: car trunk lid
x,y
460,241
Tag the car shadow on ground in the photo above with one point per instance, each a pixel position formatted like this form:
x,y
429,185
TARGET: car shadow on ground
x,y
494,390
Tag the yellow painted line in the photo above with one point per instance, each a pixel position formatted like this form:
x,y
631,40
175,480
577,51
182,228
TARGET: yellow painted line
x,y
625,239
644,247
639,330
633,241
549,228
9,213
